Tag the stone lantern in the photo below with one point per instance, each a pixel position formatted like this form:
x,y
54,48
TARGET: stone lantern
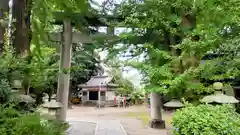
x,y
52,106
23,101
175,102
219,97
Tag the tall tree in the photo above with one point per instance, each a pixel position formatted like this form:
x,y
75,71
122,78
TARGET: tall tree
x,y
175,35
22,12
3,9
116,68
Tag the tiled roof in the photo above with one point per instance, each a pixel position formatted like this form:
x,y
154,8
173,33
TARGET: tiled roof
x,y
96,81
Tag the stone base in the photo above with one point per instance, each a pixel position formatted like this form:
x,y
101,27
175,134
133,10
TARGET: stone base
x,y
158,124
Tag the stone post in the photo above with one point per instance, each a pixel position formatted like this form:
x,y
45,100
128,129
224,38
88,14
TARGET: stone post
x,y
64,68
156,113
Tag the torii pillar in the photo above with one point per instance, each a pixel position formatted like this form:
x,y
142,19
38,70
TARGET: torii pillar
x,y
68,38
64,70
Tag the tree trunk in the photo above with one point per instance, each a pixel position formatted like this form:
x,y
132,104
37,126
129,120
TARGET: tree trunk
x,y
22,34
1,33
156,114
3,8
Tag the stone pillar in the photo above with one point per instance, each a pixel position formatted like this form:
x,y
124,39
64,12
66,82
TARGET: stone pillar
x,y
99,98
156,113
106,95
103,97
64,68
87,95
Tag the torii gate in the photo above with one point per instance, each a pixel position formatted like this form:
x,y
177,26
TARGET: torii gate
x,y
67,38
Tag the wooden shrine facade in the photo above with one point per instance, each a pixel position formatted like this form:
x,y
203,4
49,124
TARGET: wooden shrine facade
x,y
98,89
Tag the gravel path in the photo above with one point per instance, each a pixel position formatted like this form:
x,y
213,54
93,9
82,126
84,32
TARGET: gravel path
x,y
107,116
109,127
81,128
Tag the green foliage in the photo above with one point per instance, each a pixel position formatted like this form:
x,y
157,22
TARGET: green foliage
x,y
137,97
43,70
37,72
8,64
31,124
126,87
5,91
84,64
206,120
43,14
167,31
15,123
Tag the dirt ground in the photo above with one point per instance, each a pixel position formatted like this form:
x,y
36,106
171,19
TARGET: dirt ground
x,y
133,119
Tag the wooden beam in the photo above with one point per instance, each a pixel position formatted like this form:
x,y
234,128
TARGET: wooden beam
x,y
78,37
89,19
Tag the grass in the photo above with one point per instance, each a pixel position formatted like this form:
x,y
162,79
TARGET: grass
x,y
143,116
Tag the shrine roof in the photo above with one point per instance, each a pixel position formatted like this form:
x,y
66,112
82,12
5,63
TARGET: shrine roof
x,y
97,81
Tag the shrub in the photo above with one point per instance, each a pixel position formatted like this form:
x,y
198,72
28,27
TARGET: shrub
x,y
206,120
5,91
137,97
8,115
32,125
12,122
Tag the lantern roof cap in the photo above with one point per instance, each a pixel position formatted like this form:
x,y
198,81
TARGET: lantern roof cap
x,y
52,104
220,98
25,98
174,103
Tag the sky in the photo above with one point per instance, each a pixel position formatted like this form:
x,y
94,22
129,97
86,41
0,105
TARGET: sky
x,y
130,73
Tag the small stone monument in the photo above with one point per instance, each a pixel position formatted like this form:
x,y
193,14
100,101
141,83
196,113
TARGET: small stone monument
x,y
52,106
